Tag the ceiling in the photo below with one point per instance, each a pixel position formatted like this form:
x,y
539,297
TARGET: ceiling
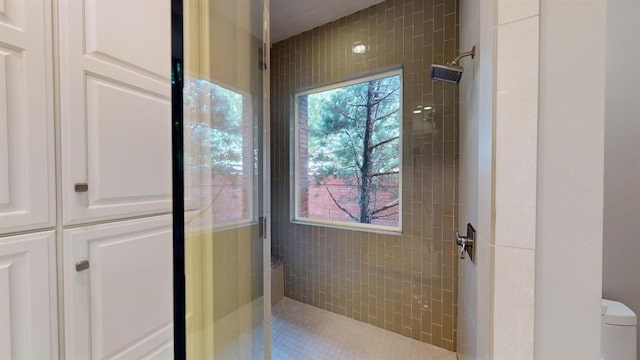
x,y
292,17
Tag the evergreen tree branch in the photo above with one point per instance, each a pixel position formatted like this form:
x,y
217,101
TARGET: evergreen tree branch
x,y
337,204
392,92
387,114
385,173
384,215
388,206
353,147
383,142
209,206
337,109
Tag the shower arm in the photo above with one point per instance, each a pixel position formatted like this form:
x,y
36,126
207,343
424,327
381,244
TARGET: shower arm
x,y
471,53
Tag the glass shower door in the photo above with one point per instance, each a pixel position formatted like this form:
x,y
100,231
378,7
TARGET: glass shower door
x,y
225,245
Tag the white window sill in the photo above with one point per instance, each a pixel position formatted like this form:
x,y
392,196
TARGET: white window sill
x,y
378,229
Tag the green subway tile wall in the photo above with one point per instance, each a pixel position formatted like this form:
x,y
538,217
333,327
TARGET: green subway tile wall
x,y
404,283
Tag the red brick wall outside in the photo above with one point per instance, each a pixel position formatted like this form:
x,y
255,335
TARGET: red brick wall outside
x,y
303,155
230,201
322,207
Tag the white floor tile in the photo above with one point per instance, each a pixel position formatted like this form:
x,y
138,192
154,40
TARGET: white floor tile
x,y
304,332
301,331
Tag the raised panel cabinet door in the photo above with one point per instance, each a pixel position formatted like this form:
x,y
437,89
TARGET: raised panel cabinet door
x,y
118,290
28,297
115,65
27,181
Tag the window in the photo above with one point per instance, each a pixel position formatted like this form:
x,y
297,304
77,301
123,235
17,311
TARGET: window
x,y
219,151
348,153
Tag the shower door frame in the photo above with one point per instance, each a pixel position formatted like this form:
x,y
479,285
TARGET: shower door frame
x,y
177,165
177,143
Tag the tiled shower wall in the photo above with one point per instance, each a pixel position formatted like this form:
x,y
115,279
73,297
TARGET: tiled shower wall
x,y
405,283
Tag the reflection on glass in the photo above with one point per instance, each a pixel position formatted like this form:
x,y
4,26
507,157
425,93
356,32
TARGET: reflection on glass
x,y
226,143
223,128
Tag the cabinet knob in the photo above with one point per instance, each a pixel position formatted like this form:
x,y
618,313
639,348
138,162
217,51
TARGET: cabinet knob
x,y
81,187
82,265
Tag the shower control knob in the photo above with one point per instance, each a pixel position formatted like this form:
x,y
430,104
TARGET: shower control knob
x,y
466,242
462,242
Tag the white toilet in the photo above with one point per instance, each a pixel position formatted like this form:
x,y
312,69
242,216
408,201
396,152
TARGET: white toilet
x,y
619,327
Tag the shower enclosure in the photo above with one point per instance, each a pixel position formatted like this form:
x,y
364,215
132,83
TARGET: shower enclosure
x,y
221,288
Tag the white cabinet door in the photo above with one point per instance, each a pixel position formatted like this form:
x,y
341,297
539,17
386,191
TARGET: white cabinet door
x,y
115,93
26,116
121,306
28,297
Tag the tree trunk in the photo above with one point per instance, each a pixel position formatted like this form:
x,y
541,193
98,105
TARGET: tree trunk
x,y
364,190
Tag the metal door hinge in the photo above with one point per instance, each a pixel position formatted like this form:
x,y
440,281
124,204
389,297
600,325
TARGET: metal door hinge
x,y
266,227
82,265
263,222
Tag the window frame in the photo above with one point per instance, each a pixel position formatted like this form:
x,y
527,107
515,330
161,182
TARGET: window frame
x,y
295,189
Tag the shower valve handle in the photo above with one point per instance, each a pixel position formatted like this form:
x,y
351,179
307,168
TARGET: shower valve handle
x,y
462,242
466,243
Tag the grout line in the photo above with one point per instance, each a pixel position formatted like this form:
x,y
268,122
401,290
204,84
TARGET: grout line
x,y
512,247
515,21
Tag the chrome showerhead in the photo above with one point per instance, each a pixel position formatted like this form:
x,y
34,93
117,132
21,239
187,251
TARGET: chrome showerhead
x,y
447,73
452,72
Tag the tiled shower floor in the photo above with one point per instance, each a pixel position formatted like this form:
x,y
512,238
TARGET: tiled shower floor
x,y
302,331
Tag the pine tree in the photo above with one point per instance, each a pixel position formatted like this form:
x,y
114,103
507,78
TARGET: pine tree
x,y
354,135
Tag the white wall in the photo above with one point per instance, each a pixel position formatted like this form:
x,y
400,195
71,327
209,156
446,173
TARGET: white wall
x,y
476,123
515,164
536,93
621,280
498,161
467,327
498,130
486,75
570,179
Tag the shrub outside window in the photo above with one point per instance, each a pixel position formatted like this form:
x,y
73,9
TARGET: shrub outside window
x,y
348,156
